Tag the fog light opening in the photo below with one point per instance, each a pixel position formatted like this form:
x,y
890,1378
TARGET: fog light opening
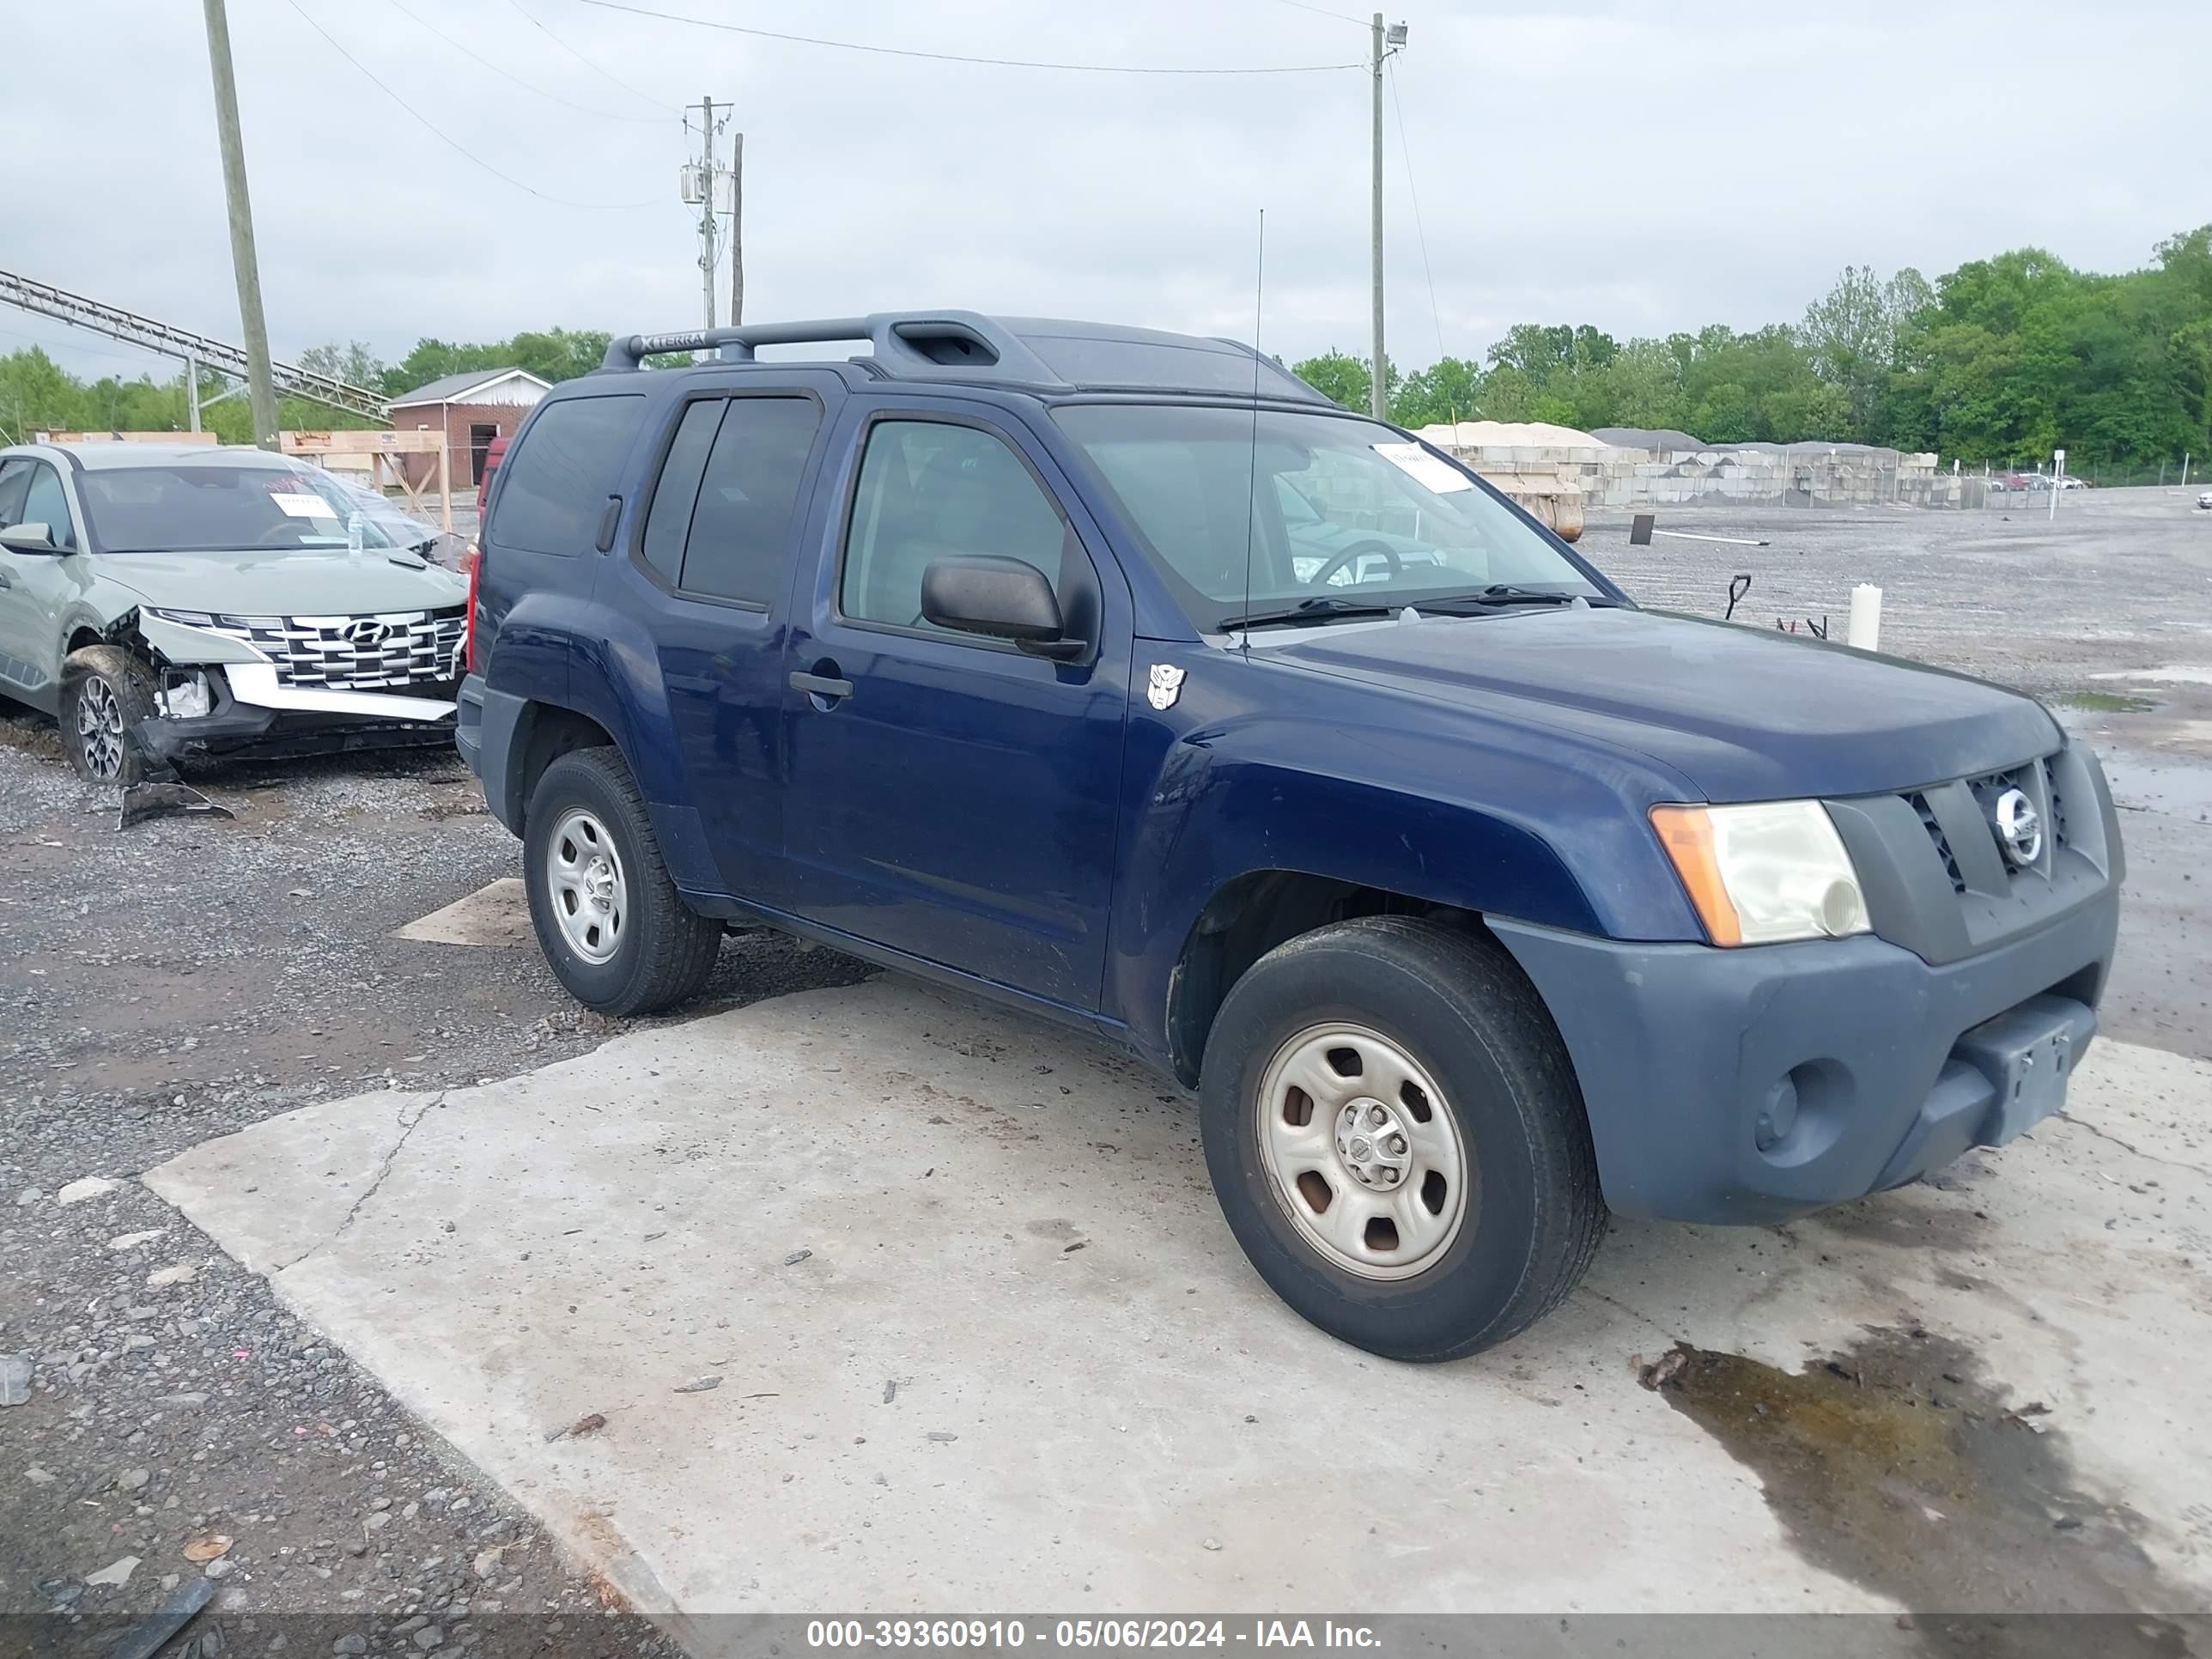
x,y
186,694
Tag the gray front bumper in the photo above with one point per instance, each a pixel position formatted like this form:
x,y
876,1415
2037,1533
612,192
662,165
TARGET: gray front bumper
x,y
1858,1063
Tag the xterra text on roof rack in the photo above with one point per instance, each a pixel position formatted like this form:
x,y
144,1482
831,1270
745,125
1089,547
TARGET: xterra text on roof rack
x,y
1118,676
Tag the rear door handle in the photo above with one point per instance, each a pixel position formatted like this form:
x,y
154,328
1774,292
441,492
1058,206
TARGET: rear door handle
x,y
821,685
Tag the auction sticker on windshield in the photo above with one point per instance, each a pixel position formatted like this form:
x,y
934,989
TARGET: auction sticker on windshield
x,y
1423,468
302,506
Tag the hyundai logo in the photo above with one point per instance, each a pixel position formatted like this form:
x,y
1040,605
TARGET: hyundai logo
x,y
368,633
2019,827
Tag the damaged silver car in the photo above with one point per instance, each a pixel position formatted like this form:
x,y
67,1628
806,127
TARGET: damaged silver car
x,y
170,601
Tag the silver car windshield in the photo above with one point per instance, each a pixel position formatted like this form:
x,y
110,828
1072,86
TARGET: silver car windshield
x,y
215,509
1327,508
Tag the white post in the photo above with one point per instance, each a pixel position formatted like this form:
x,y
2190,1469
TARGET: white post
x,y
2058,477
2184,469
1865,626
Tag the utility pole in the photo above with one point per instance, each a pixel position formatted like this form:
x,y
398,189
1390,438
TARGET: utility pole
x,y
707,205
261,391
1387,41
738,231
1378,397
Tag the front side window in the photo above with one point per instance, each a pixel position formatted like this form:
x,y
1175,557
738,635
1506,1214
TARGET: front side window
x,y
44,503
15,479
553,487
739,545
930,490
1240,515
220,507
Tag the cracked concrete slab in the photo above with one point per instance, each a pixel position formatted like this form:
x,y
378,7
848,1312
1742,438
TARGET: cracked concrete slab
x,y
1097,1404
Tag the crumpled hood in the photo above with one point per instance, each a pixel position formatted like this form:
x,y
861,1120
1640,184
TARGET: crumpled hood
x,y
287,582
1742,713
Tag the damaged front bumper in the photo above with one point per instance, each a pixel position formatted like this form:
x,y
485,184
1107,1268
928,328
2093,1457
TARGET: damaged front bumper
x,y
245,709
219,697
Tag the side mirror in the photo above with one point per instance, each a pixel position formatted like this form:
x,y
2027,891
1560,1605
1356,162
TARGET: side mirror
x,y
29,538
1000,598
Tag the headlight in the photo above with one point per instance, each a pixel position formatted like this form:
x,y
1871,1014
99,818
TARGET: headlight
x,y
1763,873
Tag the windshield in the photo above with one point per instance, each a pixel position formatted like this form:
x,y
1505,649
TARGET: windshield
x,y
220,508
1329,508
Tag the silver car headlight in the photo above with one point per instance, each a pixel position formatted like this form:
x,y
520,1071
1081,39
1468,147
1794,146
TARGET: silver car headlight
x,y
1763,873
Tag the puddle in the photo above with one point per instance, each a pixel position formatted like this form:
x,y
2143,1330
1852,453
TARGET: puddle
x,y
1898,1464
2104,703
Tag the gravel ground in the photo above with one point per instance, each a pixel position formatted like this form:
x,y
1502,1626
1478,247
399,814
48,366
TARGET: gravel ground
x,y
2122,580
175,981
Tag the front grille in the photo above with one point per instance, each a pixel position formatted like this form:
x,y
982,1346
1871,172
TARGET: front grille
x,y
1918,802
1972,802
385,651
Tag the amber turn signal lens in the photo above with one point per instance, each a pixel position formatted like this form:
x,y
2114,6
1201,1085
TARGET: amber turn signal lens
x,y
1686,833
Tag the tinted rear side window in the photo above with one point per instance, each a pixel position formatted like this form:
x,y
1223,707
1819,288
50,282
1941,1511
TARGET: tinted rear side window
x,y
553,489
669,519
739,545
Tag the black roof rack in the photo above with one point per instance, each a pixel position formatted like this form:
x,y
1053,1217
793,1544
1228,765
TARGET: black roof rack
x,y
1034,353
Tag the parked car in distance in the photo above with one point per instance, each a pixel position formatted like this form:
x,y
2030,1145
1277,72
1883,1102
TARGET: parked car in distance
x,y
170,601
2205,501
1469,897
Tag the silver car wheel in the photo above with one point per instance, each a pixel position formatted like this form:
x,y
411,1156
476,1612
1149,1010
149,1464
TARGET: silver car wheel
x,y
99,727
1362,1152
590,893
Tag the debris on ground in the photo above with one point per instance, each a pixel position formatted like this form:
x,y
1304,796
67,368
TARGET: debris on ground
x,y
142,801
796,1257
153,1632
890,1391
15,1379
591,1423
1660,1371
699,1385
116,1573
208,1546
91,1187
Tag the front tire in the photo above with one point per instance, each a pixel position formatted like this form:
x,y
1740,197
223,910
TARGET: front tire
x,y
106,693
1395,1135
614,929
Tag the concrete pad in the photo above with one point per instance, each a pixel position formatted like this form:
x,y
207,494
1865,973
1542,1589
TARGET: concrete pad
x,y
1097,1405
498,913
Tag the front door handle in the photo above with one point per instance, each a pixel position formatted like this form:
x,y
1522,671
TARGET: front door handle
x,y
825,687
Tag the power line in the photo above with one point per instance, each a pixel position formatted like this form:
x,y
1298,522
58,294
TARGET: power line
x,y
554,97
1323,11
962,57
1413,195
597,69
447,138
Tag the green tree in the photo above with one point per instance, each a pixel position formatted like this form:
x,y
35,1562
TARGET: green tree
x,y
1447,390
1345,380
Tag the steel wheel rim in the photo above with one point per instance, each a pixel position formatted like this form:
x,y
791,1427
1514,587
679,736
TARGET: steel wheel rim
x,y
584,879
1362,1152
99,727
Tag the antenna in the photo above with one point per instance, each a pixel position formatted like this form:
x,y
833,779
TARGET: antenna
x,y
1252,490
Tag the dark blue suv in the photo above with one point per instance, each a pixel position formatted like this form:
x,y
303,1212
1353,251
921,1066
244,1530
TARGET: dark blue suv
x,y
1118,676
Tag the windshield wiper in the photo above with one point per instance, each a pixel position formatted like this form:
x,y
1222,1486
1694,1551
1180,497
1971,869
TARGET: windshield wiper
x,y
1320,608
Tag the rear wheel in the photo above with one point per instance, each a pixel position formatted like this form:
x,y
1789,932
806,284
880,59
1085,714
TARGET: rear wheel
x,y
614,929
105,693
1397,1140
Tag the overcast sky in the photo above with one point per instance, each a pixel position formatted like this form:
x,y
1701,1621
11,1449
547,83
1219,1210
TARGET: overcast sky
x,y
1640,165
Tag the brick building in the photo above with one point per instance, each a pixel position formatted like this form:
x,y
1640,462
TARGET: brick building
x,y
471,409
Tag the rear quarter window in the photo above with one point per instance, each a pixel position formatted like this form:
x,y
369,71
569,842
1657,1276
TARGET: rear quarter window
x,y
554,483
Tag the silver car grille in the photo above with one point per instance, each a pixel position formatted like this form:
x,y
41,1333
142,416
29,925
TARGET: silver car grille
x,y
385,651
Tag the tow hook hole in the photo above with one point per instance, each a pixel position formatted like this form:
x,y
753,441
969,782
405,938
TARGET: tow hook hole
x,y
1381,1233
1344,1062
1434,1191
1415,1102
1317,1192
1297,1107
